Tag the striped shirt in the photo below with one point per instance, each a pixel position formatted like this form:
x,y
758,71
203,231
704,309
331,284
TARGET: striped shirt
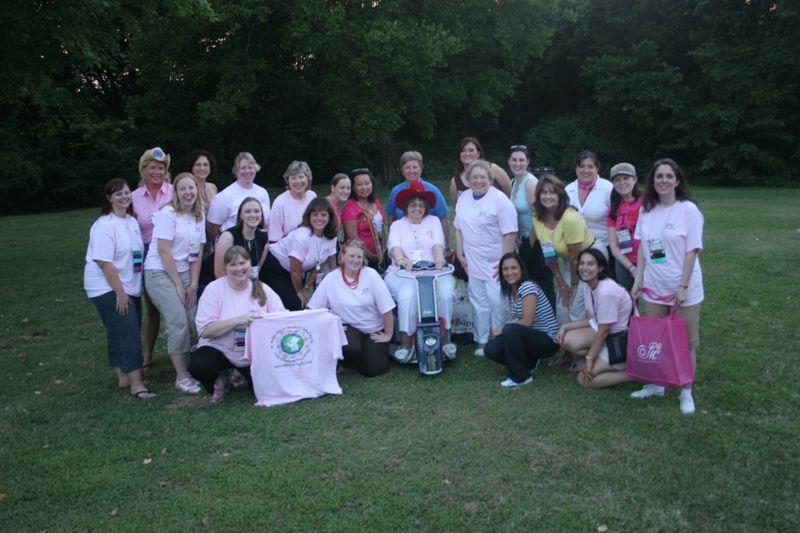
x,y
544,320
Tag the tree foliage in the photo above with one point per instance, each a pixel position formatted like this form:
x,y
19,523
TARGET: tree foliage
x,y
89,85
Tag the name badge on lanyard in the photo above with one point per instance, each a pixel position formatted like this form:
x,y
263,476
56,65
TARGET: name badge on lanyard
x,y
657,253
549,252
194,252
625,241
137,261
238,337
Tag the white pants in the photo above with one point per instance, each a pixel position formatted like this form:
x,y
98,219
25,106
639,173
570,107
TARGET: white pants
x,y
404,292
489,308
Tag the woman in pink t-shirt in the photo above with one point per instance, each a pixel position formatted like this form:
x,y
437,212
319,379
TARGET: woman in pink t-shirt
x,y
418,237
340,193
288,208
363,217
626,201
112,278
228,306
357,294
602,336
670,229
172,271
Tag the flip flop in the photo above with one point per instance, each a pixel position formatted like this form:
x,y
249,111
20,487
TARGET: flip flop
x,y
148,366
561,361
144,391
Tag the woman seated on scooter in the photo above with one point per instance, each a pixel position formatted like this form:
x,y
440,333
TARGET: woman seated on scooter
x,y
602,336
358,295
418,237
529,335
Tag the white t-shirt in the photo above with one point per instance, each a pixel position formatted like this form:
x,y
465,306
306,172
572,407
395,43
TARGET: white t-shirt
x,y
287,214
225,206
676,230
595,209
415,240
304,246
186,233
482,224
114,240
362,307
609,303
220,302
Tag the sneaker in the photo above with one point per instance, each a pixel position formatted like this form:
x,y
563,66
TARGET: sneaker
x,y
647,391
188,385
404,355
687,402
510,383
479,352
449,351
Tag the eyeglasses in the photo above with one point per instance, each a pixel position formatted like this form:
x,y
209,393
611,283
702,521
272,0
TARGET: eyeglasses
x,y
519,147
357,171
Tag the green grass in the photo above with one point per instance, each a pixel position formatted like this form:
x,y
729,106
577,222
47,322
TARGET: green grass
x,y
402,452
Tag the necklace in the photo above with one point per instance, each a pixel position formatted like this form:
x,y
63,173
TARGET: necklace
x,y
351,284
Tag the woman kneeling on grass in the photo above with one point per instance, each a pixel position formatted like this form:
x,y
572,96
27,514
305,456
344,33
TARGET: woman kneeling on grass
x,y
228,305
530,333
358,295
608,312
112,279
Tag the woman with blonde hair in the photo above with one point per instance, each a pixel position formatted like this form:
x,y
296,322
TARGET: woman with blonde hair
x,y
288,208
225,205
172,270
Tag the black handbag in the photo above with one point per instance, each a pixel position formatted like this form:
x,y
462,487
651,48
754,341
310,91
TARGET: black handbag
x,y
617,345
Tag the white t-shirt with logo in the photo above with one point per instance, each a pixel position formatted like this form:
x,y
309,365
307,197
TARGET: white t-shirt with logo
x,y
115,240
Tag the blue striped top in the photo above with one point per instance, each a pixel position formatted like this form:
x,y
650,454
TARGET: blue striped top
x,y
544,320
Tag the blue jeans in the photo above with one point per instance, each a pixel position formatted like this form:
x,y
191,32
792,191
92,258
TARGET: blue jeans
x,y
520,348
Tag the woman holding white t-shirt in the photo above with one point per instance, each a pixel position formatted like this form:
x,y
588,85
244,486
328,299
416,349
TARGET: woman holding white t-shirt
x,y
172,270
112,278
228,306
486,228
670,229
294,262
357,294
225,205
591,196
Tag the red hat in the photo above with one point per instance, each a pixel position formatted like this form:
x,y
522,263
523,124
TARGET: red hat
x,y
415,190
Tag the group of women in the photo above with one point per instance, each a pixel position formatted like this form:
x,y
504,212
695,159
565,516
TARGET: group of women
x,y
549,266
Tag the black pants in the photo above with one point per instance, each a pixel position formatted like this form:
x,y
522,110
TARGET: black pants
x,y
520,348
206,363
533,258
370,358
280,280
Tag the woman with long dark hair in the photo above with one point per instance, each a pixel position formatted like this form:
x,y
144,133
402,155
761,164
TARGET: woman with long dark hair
x,y
670,229
529,335
626,201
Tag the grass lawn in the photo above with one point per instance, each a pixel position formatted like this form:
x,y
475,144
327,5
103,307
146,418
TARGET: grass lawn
x,y
403,452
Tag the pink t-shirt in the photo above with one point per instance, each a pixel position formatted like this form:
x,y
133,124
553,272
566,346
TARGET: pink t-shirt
x,y
627,216
294,356
186,233
220,302
351,210
609,303
287,214
483,223
114,240
225,206
304,246
145,205
415,240
667,234
362,307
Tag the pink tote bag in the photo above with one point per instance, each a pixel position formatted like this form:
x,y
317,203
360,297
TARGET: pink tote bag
x,y
658,349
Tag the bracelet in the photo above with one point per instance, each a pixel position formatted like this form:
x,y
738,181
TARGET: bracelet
x,y
632,266
683,286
